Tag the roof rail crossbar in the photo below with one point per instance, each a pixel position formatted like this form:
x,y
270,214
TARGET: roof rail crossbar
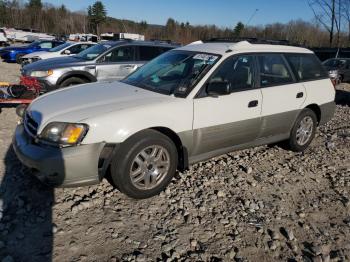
x,y
161,40
252,40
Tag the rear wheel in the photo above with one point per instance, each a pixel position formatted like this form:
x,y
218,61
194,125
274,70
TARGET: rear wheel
x,y
303,131
144,165
73,81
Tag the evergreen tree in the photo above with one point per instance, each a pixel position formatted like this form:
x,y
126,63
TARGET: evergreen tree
x,y
237,31
97,15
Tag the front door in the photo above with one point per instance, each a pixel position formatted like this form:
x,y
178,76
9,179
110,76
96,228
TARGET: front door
x,y
116,64
228,120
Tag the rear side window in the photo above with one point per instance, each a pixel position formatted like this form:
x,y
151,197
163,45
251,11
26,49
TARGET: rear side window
x,y
46,45
273,70
306,67
147,53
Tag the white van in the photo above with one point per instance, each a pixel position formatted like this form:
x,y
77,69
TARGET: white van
x,y
185,106
3,38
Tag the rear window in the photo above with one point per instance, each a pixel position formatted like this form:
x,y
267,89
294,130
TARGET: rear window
x,y
306,67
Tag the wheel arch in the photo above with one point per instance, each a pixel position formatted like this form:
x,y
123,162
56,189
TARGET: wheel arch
x,y
317,110
181,149
80,74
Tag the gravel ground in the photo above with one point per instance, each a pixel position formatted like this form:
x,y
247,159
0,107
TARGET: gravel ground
x,y
263,204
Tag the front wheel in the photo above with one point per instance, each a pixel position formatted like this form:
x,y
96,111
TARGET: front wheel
x,y
72,81
144,165
303,131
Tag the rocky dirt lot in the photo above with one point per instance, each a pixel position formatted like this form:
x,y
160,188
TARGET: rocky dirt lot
x,y
263,204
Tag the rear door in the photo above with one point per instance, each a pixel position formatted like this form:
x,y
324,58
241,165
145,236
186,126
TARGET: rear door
x,y
283,96
116,64
229,120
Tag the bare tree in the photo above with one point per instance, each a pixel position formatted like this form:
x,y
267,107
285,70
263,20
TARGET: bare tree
x,y
345,12
325,14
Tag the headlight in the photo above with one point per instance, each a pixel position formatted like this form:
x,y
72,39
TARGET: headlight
x,y
37,58
333,73
41,73
64,133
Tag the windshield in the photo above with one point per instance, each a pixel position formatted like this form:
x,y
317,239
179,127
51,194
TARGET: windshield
x,y
335,63
93,52
60,47
174,71
35,43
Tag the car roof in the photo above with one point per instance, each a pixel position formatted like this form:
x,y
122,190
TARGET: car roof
x,y
338,58
136,42
222,48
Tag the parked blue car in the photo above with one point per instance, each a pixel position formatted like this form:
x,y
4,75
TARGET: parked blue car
x,y
14,53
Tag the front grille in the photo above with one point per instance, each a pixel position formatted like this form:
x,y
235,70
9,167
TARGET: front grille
x,y
30,125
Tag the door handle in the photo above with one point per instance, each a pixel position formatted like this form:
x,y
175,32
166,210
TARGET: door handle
x,y
91,67
128,66
253,103
300,95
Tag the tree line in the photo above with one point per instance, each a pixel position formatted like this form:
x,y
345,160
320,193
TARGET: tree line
x,y
330,27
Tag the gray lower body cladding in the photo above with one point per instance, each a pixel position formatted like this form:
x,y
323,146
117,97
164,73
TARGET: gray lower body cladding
x,y
205,143
66,167
327,112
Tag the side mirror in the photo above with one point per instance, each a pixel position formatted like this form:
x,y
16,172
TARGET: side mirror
x,y
66,52
218,88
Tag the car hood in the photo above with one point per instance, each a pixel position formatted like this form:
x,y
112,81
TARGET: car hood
x,y
78,103
53,63
40,53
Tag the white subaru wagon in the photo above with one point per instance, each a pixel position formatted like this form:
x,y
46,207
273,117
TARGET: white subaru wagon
x,y
185,106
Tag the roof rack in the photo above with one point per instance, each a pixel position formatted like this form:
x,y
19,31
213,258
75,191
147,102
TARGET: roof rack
x,y
165,41
252,40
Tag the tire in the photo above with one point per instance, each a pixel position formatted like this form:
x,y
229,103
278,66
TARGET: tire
x,y
18,58
303,131
341,79
135,157
73,81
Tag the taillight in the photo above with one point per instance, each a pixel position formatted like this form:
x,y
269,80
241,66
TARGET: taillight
x,y
334,82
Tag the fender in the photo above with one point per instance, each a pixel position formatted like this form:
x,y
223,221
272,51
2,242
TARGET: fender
x,y
76,73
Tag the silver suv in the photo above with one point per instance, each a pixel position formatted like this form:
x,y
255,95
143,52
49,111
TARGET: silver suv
x,y
103,62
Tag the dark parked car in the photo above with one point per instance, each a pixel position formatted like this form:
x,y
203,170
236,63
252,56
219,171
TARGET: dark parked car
x,y
338,69
14,53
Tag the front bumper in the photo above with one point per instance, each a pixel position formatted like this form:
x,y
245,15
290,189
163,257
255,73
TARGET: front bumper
x,y
61,167
46,86
8,57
